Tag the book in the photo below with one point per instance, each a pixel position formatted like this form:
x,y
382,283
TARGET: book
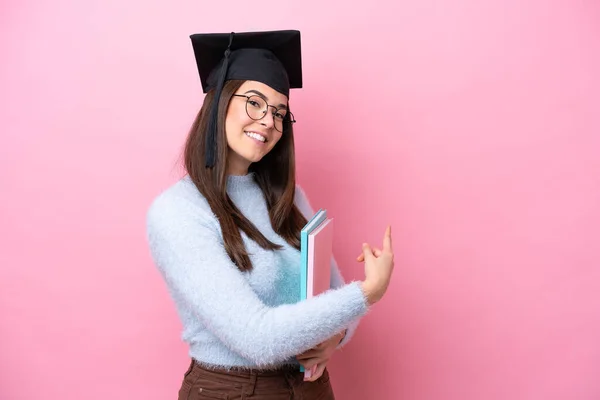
x,y
316,252
319,259
310,226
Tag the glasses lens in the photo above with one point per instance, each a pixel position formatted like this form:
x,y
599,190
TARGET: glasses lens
x,y
280,118
256,107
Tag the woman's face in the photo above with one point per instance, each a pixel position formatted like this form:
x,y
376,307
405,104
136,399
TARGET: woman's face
x,y
248,139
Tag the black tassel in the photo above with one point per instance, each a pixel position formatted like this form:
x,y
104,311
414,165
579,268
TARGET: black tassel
x,y
211,134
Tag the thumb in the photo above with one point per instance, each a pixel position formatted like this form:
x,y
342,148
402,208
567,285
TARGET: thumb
x,y
367,252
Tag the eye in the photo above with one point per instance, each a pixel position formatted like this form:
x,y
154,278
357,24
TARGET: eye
x,y
279,115
254,103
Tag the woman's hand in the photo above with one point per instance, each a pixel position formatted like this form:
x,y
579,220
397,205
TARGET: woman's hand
x,y
319,356
379,265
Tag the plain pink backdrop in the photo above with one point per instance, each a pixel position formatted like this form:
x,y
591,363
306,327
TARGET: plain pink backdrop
x,y
472,127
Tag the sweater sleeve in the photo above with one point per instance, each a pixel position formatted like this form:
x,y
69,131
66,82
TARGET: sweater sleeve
x,y
187,249
337,280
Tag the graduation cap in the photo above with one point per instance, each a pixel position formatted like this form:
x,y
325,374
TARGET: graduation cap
x,y
270,57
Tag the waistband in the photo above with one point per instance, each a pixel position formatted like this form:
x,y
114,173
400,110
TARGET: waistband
x,y
247,372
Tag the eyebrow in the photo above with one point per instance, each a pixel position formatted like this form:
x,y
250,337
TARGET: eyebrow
x,y
265,98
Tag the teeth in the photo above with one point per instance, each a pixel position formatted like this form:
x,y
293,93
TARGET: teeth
x,y
255,136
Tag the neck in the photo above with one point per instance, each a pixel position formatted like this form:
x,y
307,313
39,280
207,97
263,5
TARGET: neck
x,y
237,165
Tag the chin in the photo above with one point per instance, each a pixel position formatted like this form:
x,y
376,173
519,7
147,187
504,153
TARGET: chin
x,y
255,158
248,152
254,155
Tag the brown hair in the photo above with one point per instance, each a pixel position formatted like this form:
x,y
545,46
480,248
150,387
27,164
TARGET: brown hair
x,y
275,174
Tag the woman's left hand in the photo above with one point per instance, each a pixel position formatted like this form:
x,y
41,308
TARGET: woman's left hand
x,y
319,355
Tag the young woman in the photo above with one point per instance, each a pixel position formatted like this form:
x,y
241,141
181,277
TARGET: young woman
x,y
226,237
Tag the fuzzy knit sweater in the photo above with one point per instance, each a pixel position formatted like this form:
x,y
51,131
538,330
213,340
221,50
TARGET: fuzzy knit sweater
x,y
232,318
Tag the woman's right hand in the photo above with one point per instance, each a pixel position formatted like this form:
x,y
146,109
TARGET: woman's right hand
x,y
379,265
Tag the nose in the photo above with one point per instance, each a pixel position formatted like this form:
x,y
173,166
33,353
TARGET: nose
x,y
267,120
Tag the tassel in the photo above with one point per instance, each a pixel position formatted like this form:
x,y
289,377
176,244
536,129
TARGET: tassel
x,y
211,134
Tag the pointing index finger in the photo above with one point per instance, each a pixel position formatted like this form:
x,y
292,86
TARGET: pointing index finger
x,y
387,239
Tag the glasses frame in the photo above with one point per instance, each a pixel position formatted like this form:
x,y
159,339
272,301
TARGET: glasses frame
x,y
289,117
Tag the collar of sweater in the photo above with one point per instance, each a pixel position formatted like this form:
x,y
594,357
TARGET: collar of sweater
x,y
240,183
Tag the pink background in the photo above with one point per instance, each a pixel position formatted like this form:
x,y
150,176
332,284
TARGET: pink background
x,y
472,127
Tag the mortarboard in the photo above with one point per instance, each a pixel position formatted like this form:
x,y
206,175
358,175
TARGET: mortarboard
x,y
270,57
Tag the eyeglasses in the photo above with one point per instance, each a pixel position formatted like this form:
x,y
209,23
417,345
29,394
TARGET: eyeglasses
x,y
257,107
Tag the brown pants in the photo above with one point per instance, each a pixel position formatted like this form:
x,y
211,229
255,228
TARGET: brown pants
x,y
285,384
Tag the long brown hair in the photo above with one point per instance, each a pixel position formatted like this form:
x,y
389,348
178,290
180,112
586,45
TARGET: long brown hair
x,y
275,174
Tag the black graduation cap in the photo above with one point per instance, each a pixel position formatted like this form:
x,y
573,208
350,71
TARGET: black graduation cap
x,y
270,57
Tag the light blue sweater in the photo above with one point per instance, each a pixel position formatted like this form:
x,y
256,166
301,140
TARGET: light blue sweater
x,y
242,319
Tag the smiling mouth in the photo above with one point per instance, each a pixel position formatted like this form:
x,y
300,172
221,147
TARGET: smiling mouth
x,y
256,136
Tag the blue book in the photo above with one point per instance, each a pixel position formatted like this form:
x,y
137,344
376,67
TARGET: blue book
x,y
311,225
